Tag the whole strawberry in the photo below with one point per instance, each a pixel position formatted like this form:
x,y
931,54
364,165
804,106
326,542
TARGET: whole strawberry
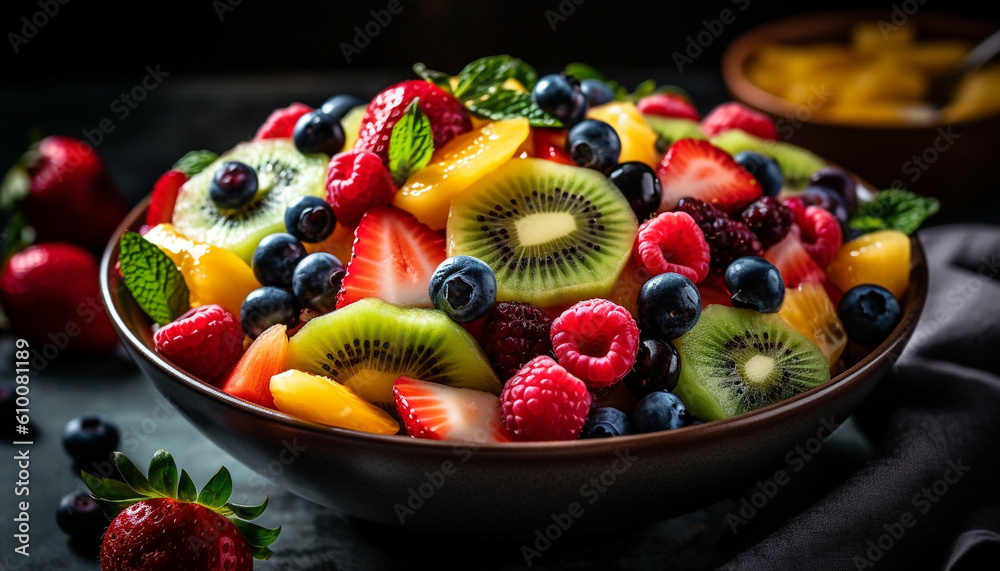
x,y
447,116
51,295
70,195
163,523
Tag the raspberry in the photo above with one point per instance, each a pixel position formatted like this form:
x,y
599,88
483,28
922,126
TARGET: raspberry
x,y
206,341
735,116
672,242
543,401
821,234
596,340
797,206
281,122
355,182
727,239
769,219
513,334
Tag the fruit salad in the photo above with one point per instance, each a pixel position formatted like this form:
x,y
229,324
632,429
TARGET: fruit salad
x,y
496,256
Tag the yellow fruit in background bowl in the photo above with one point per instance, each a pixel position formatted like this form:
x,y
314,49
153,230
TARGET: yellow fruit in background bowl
x,y
881,258
638,138
809,311
454,167
323,400
212,274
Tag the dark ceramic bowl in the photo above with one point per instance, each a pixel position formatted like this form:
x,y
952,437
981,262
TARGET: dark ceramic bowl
x,y
885,154
506,489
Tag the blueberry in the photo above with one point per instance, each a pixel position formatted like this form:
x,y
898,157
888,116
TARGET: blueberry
x,y
657,368
594,145
765,170
338,105
605,422
233,185
596,91
660,410
310,219
755,284
869,313
560,96
79,516
317,132
90,438
316,281
640,185
268,306
275,258
669,305
463,287
828,200
839,181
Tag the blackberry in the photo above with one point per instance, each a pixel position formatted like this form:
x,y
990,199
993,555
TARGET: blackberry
x,y
727,239
513,334
769,219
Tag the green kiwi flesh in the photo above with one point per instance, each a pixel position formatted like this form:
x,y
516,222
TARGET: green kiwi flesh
x,y
370,343
672,129
737,360
553,234
283,174
797,164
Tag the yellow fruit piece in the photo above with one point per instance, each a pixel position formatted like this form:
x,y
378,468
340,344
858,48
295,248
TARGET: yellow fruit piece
x,y
638,138
212,274
454,167
809,311
881,258
352,125
870,38
339,243
626,290
976,96
326,401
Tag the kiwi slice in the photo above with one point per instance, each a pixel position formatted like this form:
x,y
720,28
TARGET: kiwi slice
x,y
673,129
797,164
553,234
738,360
370,343
283,174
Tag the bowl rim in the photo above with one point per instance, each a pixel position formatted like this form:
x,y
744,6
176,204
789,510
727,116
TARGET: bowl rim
x,y
686,435
742,48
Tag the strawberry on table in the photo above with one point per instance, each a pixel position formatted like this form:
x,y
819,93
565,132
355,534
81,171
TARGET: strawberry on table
x,y
393,259
439,412
161,522
735,116
698,169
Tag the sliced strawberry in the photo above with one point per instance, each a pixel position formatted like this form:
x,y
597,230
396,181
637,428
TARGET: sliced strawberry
x,y
668,105
161,205
393,258
821,234
735,116
698,169
550,144
714,292
281,122
794,262
439,412
250,379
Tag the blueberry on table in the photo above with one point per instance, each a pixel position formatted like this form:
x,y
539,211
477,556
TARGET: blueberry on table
x,y
463,287
90,437
869,313
268,306
560,96
660,410
755,284
317,280
641,187
317,132
764,169
310,219
657,368
79,516
275,258
596,91
605,422
338,105
234,184
668,306
594,145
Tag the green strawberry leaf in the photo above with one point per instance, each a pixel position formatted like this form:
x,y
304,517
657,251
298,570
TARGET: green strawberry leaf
x,y
247,512
506,104
485,75
256,535
155,282
186,490
15,186
133,476
194,162
108,488
894,210
438,78
411,143
16,236
260,553
112,508
216,492
163,474
583,71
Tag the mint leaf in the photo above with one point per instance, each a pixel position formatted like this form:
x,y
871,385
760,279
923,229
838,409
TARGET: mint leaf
x,y
411,143
894,210
438,78
194,162
486,75
155,282
506,104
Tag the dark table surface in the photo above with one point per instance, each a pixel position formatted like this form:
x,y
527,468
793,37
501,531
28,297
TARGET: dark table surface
x,y
186,113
